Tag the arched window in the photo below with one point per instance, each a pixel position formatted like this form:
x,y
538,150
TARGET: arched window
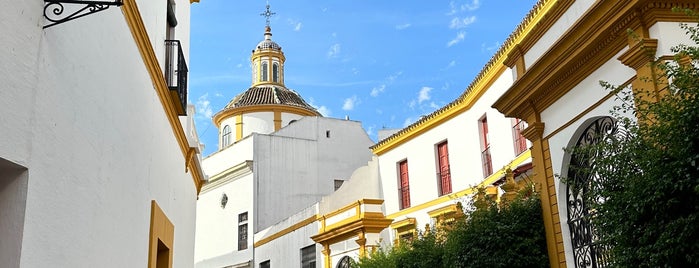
x,y
226,136
255,71
265,71
275,72
587,249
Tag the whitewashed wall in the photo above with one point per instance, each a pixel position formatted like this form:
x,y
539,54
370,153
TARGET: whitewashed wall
x,y
297,165
217,227
80,113
285,251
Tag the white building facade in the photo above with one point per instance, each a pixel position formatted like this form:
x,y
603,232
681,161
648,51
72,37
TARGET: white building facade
x,y
589,41
277,157
99,164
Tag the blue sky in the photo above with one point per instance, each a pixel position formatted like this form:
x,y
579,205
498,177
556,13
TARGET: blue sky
x,y
384,63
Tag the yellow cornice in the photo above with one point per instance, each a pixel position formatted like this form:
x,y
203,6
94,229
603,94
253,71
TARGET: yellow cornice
x,y
443,210
494,68
226,113
269,53
592,41
403,223
350,229
140,35
229,174
287,230
264,83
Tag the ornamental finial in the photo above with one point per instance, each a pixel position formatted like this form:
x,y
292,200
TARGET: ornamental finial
x,y
267,14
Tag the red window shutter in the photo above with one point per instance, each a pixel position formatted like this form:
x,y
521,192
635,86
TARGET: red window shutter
x,y
444,172
404,185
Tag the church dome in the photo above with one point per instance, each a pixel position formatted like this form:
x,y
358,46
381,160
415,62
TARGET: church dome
x,y
269,95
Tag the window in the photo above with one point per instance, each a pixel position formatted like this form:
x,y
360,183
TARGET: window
x,y
443,172
308,257
485,147
338,184
243,231
226,136
404,185
264,264
404,229
275,72
520,142
265,71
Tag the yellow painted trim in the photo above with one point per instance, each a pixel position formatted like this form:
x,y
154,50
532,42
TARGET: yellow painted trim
x,y
356,204
277,120
220,116
445,198
161,230
443,210
287,230
491,71
193,1
238,127
404,223
145,48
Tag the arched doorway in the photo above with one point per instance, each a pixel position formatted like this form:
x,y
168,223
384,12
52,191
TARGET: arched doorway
x,y
579,180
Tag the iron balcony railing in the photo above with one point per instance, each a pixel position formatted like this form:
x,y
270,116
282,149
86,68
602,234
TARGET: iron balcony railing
x,y
176,75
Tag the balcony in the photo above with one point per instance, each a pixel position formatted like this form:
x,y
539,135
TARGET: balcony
x,y
176,75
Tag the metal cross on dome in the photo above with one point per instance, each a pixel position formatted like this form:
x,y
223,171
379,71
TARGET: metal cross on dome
x,y
267,14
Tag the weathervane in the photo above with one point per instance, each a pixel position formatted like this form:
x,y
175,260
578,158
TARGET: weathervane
x,y
267,14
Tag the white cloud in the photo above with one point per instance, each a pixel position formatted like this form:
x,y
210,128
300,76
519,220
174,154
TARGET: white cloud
x,y
451,64
334,51
408,121
203,106
298,26
402,26
475,4
370,130
457,23
412,104
490,49
393,77
377,90
459,37
469,6
424,94
434,105
324,111
350,103
240,65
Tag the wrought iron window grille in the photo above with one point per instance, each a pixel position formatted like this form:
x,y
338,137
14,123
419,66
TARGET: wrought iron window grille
x,y
176,74
60,11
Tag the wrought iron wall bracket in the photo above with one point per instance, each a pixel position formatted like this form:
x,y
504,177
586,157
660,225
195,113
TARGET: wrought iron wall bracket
x,y
56,13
